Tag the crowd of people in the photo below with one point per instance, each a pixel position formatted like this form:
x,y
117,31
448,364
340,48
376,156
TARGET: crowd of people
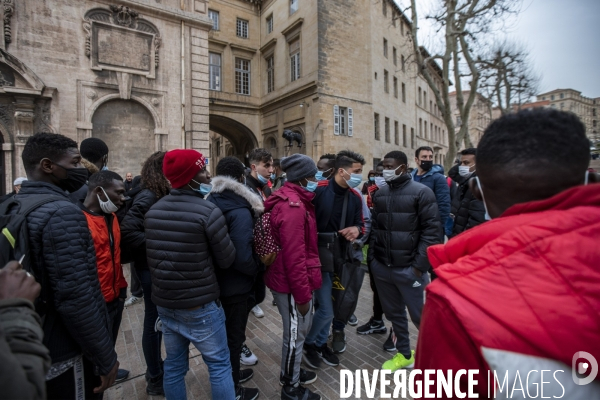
x,y
203,250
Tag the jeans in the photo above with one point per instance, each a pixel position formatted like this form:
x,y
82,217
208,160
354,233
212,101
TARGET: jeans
x,y
236,318
151,339
319,332
204,327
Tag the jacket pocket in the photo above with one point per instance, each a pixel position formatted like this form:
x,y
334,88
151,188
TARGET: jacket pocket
x,y
314,277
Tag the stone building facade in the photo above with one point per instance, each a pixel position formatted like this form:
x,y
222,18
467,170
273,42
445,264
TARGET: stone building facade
x,y
131,72
329,75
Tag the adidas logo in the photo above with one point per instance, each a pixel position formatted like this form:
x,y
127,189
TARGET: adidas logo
x,y
416,284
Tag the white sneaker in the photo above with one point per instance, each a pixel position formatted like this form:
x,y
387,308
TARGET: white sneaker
x,y
133,300
258,312
246,357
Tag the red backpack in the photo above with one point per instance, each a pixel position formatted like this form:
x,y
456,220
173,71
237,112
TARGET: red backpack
x,y
265,245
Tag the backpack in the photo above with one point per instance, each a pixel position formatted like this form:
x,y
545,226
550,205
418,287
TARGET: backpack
x,y
265,245
14,240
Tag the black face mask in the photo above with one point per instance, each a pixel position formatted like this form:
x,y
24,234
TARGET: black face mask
x,y
76,178
426,165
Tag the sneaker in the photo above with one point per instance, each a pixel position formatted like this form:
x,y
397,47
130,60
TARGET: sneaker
x,y
122,374
390,343
353,321
373,326
242,393
327,356
274,302
246,357
306,378
258,312
298,392
154,386
133,300
338,344
246,375
399,362
311,356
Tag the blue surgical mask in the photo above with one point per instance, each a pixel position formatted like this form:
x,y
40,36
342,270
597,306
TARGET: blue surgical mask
x,y
262,179
355,179
310,186
372,178
273,176
487,215
319,176
105,168
204,188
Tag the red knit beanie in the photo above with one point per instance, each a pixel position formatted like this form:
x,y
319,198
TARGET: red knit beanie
x,y
181,165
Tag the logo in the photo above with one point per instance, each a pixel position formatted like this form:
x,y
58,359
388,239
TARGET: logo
x,y
579,369
416,284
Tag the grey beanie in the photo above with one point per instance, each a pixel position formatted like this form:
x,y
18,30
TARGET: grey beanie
x,y
298,166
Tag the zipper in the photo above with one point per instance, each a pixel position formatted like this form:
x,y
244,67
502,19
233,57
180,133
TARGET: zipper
x,y
110,219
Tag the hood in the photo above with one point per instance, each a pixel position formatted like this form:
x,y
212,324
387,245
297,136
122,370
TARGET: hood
x,y
92,169
435,169
223,184
288,192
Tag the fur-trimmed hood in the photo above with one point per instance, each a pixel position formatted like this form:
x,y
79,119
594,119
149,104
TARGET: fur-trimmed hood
x,y
223,183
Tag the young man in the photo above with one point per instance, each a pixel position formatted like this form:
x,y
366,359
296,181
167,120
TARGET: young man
x,y
278,177
433,177
240,206
105,196
520,292
294,274
76,327
95,151
328,207
186,240
405,222
469,212
325,169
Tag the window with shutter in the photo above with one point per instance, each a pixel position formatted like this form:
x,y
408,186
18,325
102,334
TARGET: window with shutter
x,y
336,120
350,122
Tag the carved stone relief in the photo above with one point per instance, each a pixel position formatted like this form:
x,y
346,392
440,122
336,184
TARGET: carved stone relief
x,y
9,9
43,117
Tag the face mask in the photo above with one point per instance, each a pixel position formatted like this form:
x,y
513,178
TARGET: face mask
x,y
587,177
320,176
463,171
262,179
107,207
310,186
380,182
426,165
105,168
390,174
487,215
372,178
273,176
204,188
76,178
355,179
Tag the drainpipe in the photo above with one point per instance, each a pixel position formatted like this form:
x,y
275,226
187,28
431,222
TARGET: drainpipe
x,y
182,78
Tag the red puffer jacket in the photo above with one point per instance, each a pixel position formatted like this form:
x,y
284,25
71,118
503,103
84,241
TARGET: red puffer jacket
x,y
297,269
525,283
108,257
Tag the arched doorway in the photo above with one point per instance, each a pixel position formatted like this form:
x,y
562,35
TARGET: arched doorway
x,y
127,127
229,137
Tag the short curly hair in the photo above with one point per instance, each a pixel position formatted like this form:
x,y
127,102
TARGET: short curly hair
x,y
230,166
45,145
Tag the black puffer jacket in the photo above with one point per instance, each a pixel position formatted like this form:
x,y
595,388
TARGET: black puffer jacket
x,y
133,233
468,211
186,237
405,222
240,206
61,245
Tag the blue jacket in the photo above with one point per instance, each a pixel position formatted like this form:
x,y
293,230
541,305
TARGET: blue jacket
x,y
435,180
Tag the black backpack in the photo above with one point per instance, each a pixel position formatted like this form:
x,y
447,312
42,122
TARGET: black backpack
x,y
14,240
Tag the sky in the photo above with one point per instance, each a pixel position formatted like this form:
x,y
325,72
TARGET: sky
x,y
563,38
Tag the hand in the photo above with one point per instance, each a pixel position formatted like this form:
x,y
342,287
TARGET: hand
x,y
303,308
108,380
350,234
417,272
16,283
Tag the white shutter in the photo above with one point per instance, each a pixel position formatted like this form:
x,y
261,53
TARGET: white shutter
x,y
350,122
336,120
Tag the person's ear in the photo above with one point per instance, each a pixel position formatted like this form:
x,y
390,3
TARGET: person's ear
x,y
475,189
46,165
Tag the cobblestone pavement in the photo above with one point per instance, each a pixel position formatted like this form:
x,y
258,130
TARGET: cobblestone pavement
x,y
264,339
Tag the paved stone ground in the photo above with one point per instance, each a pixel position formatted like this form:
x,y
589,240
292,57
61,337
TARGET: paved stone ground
x,y
264,339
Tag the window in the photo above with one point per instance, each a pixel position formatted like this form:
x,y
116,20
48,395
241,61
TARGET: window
x,y
342,121
384,5
421,127
562,95
430,106
544,98
385,52
214,16
242,76
395,87
403,92
403,63
294,60
420,96
214,69
396,134
269,24
562,106
424,99
552,97
395,55
425,132
293,6
242,28
386,86
387,130
394,19
270,74
404,139
218,146
412,138
376,126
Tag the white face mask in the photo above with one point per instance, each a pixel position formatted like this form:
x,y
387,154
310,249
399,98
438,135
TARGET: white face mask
x,y
390,174
464,171
107,207
380,182
487,214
